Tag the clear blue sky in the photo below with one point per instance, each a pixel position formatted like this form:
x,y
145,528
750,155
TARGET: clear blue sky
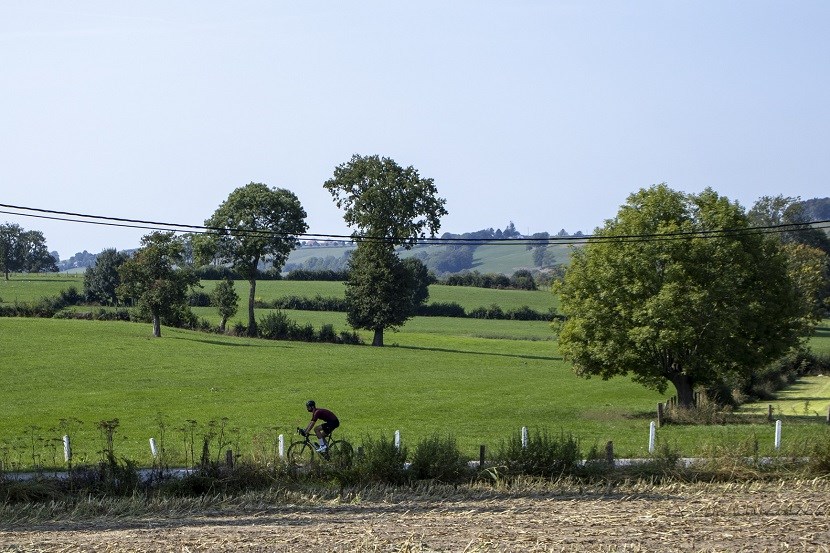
x,y
547,113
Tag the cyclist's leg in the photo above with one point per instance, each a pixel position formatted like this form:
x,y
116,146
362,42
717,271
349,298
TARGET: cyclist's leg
x,y
324,433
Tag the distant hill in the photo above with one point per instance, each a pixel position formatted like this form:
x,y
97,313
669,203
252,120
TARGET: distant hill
x,y
445,260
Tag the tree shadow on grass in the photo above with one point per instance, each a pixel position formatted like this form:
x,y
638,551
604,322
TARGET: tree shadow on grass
x,y
215,342
468,352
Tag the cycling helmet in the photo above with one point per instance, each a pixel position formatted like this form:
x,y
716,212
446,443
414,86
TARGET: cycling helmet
x,y
310,404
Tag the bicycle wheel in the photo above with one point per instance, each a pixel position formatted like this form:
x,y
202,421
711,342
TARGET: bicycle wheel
x,y
340,454
300,454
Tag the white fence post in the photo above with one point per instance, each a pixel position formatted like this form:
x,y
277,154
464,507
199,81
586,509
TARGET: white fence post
x,y
397,439
652,435
153,449
778,434
281,445
524,437
67,449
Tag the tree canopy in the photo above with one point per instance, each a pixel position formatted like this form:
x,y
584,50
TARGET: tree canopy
x,y
155,277
226,300
807,248
386,202
674,290
24,251
388,206
256,223
383,291
102,279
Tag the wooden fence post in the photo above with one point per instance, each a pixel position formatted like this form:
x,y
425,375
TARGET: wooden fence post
x,y
769,413
481,456
659,414
609,452
828,415
229,458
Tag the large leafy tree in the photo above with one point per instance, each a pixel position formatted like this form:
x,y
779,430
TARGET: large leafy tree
x,y
388,206
102,279
24,251
156,277
256,223
698,302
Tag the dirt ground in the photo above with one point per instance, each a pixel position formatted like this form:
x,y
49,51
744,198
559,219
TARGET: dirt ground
x,y
783,516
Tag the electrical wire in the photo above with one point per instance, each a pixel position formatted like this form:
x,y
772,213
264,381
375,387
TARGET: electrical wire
x,y
523,241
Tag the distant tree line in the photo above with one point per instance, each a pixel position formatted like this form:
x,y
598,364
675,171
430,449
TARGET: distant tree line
x,y
521,280
24,251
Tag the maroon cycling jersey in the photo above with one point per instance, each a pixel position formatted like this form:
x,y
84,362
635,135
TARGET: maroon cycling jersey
x,y
324,414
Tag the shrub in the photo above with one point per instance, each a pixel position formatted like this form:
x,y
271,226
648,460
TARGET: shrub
x,y
439,459
350,338
763,383
525,313
492,312
441,309
276,326
318,303
303,333
523,280
381,461
322,274
820,458
327,333
198,298
543,456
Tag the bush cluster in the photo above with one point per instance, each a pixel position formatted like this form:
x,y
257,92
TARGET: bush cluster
x,y
521,280
765,382
322,274
45,307
99,315
544,455
278,326
219,272
523,313
441,309
317,303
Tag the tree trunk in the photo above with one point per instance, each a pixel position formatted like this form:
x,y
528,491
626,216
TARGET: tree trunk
x,y
156,326
685,392
378,339
222,325
251,321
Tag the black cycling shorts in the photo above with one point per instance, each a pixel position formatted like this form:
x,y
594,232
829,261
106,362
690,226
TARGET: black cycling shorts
x,y
328,427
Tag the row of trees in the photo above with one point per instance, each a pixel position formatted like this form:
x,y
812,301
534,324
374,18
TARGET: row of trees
x,y
388,206
23,251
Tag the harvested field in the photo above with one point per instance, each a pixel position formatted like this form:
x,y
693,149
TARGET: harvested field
x,y
760,516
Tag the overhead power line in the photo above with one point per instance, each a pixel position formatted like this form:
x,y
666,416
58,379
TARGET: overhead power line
x,y
84,218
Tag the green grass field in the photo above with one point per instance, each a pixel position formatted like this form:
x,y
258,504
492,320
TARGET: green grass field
x,y
30,288
468,297
479,380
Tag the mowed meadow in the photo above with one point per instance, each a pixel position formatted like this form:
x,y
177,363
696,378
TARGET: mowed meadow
x,y
477,380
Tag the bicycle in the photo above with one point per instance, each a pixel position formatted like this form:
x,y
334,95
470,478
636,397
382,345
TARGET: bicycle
x,y
303,453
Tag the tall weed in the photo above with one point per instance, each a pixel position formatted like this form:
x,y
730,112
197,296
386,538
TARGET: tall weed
x,y
437,458
544,455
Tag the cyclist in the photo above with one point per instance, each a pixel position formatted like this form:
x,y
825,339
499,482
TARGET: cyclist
x,y
329,419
